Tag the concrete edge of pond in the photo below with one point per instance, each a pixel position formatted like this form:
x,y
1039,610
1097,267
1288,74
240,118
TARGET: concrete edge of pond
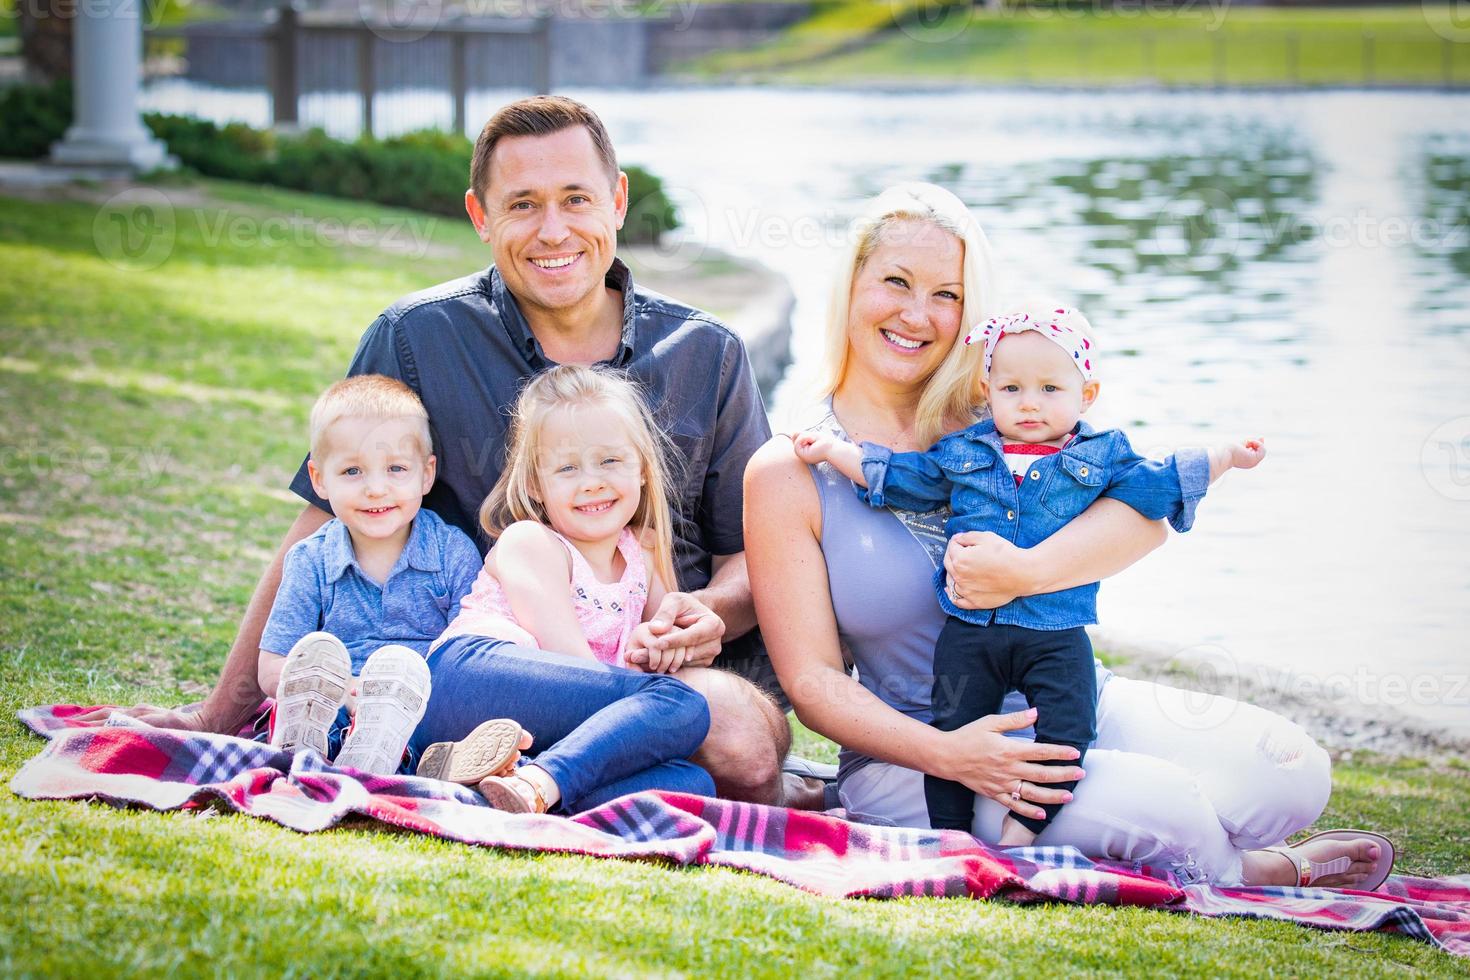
x,y
753,300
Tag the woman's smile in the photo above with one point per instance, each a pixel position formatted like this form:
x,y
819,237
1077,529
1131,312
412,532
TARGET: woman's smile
x,y
903,343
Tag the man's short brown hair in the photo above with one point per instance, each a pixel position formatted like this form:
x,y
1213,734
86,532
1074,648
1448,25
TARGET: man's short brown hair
x,y
539,115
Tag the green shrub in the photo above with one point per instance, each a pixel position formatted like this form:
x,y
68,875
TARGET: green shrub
x,y
32,117
317,163
650,212
233,151
426,170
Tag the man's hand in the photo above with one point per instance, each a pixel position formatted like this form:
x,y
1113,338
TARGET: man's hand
x,y
150,714
682,632
982,570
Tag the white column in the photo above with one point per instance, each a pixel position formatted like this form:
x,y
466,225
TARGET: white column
x,y
107,49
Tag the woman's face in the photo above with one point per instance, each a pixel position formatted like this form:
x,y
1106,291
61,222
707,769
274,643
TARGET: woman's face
x,y
906,306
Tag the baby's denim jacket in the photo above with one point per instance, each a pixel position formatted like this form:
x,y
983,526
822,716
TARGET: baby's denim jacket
x,y
966,471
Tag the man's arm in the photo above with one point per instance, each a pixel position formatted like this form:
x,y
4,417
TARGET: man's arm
x,y
728,595
237,693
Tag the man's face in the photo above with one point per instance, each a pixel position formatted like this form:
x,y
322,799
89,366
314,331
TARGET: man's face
x,y
551,214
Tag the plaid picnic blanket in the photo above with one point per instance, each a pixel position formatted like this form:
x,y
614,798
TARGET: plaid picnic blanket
x,y
132,764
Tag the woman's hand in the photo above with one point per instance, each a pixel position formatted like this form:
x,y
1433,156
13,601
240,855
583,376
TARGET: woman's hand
x,y
983,570
984,759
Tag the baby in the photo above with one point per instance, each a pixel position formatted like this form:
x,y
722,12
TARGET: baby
x,y
1023,474
369,591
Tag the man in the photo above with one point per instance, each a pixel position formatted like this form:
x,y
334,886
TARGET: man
x,y
547,197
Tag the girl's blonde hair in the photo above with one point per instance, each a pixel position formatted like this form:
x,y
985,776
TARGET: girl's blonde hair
x,y
514,497
953,391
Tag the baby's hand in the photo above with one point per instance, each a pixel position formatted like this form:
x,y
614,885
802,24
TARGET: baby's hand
x,y
1244,455
813,447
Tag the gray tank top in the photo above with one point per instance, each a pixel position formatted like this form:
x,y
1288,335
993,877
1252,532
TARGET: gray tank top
x,y
880,571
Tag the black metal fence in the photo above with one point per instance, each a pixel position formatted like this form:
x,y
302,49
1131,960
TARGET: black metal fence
x,y
308,60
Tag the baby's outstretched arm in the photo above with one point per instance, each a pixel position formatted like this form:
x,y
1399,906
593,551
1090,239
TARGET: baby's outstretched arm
x,y
1236,455
816,447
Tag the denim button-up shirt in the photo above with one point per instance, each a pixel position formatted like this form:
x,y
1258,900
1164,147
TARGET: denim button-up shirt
x,y
966,471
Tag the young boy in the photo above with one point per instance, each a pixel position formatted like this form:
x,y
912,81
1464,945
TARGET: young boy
x,y
367,593
1023,474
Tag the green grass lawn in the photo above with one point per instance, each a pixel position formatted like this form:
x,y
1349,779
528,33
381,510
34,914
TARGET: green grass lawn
x,y
155,405
861,41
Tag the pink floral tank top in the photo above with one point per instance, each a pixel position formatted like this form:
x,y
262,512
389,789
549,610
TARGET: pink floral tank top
x,y
606,611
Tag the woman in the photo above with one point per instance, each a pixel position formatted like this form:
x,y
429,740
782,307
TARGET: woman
x,y
828,572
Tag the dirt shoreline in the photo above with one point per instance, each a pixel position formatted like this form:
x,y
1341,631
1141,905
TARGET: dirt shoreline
x,y
1341,724
752,299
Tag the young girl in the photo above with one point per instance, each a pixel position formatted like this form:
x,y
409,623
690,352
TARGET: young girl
x,y
580,517
583,552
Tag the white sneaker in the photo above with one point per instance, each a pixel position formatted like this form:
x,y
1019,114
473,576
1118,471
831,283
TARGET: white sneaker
x,y
313,686
392,693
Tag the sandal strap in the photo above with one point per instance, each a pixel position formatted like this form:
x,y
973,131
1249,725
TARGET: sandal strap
x,y
1307,870
540,804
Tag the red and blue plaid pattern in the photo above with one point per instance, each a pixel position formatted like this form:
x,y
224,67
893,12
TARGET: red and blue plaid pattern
x,y
130,764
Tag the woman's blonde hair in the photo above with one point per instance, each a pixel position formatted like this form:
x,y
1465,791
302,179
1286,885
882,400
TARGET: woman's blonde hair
x,y
515,495
953,391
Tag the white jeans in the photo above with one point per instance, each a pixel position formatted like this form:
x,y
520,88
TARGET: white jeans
x,y
1176,779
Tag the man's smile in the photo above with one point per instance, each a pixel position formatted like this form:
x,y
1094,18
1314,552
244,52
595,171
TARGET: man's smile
x,y
556,262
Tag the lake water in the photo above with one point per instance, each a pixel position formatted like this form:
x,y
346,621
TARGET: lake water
x,y
1290,265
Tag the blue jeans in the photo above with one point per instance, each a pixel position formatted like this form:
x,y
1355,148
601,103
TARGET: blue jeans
x,y
599,731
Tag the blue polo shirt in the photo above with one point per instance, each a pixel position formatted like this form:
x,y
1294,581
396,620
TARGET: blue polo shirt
x,y
324,588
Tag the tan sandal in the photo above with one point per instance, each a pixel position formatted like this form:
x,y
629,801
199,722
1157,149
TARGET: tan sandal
x,y
490,750
1308,871
501,793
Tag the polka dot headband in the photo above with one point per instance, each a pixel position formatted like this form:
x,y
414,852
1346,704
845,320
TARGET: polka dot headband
x,y
1065,327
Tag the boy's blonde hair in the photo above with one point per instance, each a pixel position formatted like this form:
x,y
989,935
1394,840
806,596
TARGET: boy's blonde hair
x,y
368,396
514,497
953,391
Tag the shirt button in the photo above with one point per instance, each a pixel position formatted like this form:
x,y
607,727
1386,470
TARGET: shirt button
x,y
1083,471
1010,515
1035,474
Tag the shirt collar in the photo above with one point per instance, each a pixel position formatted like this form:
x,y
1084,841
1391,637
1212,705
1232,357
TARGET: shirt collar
x,y
337,553
423,551
618,277
984,431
